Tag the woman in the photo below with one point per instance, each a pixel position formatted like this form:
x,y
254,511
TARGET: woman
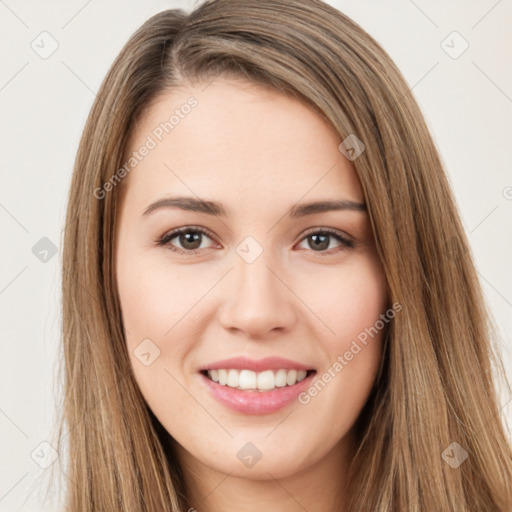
x,y
323,342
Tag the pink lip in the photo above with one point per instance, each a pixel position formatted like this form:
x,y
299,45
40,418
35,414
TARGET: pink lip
x,y
244,363
257,402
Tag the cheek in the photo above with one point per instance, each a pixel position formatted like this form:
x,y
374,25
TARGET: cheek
x,y
164,312
348,299
155,297
157,304
354,305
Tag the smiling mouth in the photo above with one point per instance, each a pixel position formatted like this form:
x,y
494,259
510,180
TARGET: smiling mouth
x,y
248,380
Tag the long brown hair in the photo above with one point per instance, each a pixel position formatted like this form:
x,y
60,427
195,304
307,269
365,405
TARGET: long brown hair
x,y
437,384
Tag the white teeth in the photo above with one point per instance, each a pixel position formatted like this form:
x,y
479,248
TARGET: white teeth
x,y
266,380
232,379
223,377
281,378
291,377
247,379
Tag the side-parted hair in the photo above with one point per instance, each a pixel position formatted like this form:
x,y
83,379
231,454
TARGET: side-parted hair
x,y
437,382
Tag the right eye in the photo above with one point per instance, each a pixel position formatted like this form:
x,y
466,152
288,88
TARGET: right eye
x,y
189,237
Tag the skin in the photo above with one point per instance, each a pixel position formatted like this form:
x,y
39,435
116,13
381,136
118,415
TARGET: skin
x,y
259,153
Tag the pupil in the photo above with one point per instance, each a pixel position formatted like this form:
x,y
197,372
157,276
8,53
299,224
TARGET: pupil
x,y
323,244
188,238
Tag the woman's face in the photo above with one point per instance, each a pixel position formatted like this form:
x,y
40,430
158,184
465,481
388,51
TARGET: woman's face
x,y
263,281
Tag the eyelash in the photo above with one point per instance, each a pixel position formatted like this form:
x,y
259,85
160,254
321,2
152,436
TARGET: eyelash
x,y
167,237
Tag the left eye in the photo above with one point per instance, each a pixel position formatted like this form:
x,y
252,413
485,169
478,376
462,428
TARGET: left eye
x,y
320,238
190,239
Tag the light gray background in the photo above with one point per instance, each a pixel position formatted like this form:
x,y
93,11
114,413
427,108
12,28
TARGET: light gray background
x,y
44,103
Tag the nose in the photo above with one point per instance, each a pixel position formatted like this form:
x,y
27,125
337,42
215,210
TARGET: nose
x,y
259,302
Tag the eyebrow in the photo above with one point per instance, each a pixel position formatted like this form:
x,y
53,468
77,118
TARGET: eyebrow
x,y
218,210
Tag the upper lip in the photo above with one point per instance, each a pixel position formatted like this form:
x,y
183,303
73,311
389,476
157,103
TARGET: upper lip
x,y
259,365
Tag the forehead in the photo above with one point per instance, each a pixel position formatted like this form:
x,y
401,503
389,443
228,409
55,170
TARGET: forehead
x,y
240,143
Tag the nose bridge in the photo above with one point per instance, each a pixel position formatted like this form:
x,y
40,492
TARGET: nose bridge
x,y
254,279
259,300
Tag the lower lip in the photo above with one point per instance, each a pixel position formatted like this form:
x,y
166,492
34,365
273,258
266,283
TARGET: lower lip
x,y
257,402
